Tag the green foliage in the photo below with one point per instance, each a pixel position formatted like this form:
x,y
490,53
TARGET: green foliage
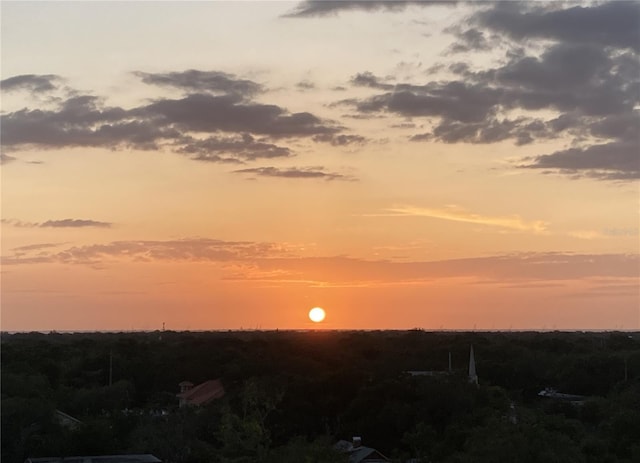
x,y
530,442
300,450
290,396
27,424
178,437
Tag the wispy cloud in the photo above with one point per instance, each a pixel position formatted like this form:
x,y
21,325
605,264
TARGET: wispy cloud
x,y
31,82
63,223
74,223
5,158
499,269
35,247
341,139
294,172
586,234
457,214
314,8
281,263
193,249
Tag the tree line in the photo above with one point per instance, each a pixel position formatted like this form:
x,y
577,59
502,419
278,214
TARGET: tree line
x,y
291,395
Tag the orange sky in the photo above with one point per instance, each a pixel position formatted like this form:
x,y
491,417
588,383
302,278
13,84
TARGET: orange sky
x,y
219,165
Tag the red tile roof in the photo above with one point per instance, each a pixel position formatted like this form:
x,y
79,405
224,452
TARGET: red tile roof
x,y
203,393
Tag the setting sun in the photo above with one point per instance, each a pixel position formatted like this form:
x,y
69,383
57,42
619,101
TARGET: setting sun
x,y
316,314
253,188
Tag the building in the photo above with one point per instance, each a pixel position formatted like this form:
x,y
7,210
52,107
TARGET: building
x,y
473,376
358,453
146,458
551,393
67,421
201,394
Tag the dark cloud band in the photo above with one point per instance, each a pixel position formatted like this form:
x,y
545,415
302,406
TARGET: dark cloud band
x,y
586,70
216,121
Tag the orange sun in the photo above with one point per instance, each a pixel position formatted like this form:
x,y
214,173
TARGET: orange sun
x,y
317,314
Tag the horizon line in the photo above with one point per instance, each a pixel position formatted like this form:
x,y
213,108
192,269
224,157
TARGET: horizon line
x,y
332,330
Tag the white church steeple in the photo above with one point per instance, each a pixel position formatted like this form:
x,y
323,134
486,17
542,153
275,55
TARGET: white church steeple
x,y
473,376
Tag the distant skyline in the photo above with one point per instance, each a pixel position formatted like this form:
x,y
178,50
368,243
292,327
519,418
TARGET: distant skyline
x,y
402,164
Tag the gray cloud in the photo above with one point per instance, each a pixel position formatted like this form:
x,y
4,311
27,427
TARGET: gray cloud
x,y
618,158
240,148
340,139
523,130
472,40
80,121
569,77
624,126
451,100
613,24
294,172
195,81
83,121
305,85
589,75
74,223
311,8
609,161
227,113
219,125
31,82
368,79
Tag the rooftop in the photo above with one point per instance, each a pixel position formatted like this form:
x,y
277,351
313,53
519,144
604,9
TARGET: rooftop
x,y
203,393
146,458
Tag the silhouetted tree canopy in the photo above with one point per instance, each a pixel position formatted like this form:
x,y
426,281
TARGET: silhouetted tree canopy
x,y
290,396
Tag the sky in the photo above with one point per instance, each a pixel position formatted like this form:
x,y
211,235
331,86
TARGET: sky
x,y
403,164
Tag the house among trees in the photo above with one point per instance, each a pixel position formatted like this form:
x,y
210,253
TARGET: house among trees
x,y
201,394
358,453
145,458
551,393
67,421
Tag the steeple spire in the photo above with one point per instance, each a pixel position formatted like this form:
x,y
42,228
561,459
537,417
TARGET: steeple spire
x,y
473,377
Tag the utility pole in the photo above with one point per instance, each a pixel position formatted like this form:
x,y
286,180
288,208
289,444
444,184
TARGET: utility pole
x,y
110,367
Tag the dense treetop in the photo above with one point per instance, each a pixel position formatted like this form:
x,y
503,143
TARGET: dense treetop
x,y
294,393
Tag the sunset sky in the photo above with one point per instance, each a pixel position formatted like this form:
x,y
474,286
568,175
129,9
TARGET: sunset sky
x,y
227,165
